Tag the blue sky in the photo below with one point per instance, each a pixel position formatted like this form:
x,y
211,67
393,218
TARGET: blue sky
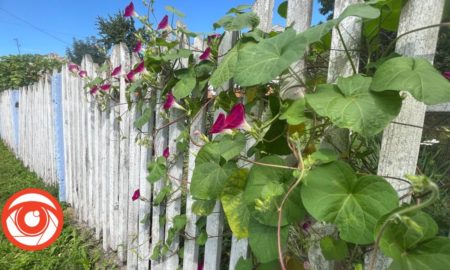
x,y
48,26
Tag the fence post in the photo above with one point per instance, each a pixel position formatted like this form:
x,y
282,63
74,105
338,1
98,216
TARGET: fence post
x,y
401,142
59,133
15,119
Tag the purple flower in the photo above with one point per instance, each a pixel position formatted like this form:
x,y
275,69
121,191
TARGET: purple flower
x,y
234,120
218,125
138,47
205,54
82,73
170,99
166,153
139,68
116,71
446,74
130,76
171,102
163,23
93,90
105,87
136,195
74,68
129,10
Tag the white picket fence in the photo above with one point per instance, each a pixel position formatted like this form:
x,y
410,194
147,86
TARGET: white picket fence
x,y
56,129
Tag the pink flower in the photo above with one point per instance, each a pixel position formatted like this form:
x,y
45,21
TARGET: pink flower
x,y
129,10
116,71
163,23
171,102
218,125
234,120
205,54
136,195
93,90
446,74
82,73
130,76
74,68
166,153
138,47
139,68
105,87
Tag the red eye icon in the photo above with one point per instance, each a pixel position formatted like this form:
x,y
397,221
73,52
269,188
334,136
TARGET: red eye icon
x,y
32,219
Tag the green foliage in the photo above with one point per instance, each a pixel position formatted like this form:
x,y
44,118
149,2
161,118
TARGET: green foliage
x,y
80,48
263,240
333,249
350,104
417,76
156,170
21,70
334,193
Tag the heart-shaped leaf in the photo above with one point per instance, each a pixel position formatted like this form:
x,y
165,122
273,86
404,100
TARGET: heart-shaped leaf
x,y
333,193
233,203
208,179
417,76
333,249
265,189
263,240
295,113
225,69
352,105
262,62
186,83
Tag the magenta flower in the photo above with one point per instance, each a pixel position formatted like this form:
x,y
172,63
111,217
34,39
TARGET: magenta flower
x,y
136,195
82,73
139,68
205,54
138,47
163,23
234,120
116,71
93,90
105,87
74,68
446,74
166,153
129,10
218,125
130,76
171,103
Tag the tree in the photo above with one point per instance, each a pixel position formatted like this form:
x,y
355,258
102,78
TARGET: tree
x,y
89,46
116,29
21,70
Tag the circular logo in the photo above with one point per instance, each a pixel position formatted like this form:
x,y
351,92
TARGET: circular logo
x,y
32,219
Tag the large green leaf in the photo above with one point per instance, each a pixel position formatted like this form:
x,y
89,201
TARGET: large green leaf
x,y
238,22
265,189
231,146
401,236
225,69
263,240
203,207
156,169
430,255
352,105
333,249
417,76
333,193
295,113
208,179
186,83
233,203
262,62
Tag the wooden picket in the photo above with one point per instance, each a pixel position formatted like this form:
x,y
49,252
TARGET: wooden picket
x,y
104,156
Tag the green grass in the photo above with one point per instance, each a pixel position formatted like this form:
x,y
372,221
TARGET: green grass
x,y
74,248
